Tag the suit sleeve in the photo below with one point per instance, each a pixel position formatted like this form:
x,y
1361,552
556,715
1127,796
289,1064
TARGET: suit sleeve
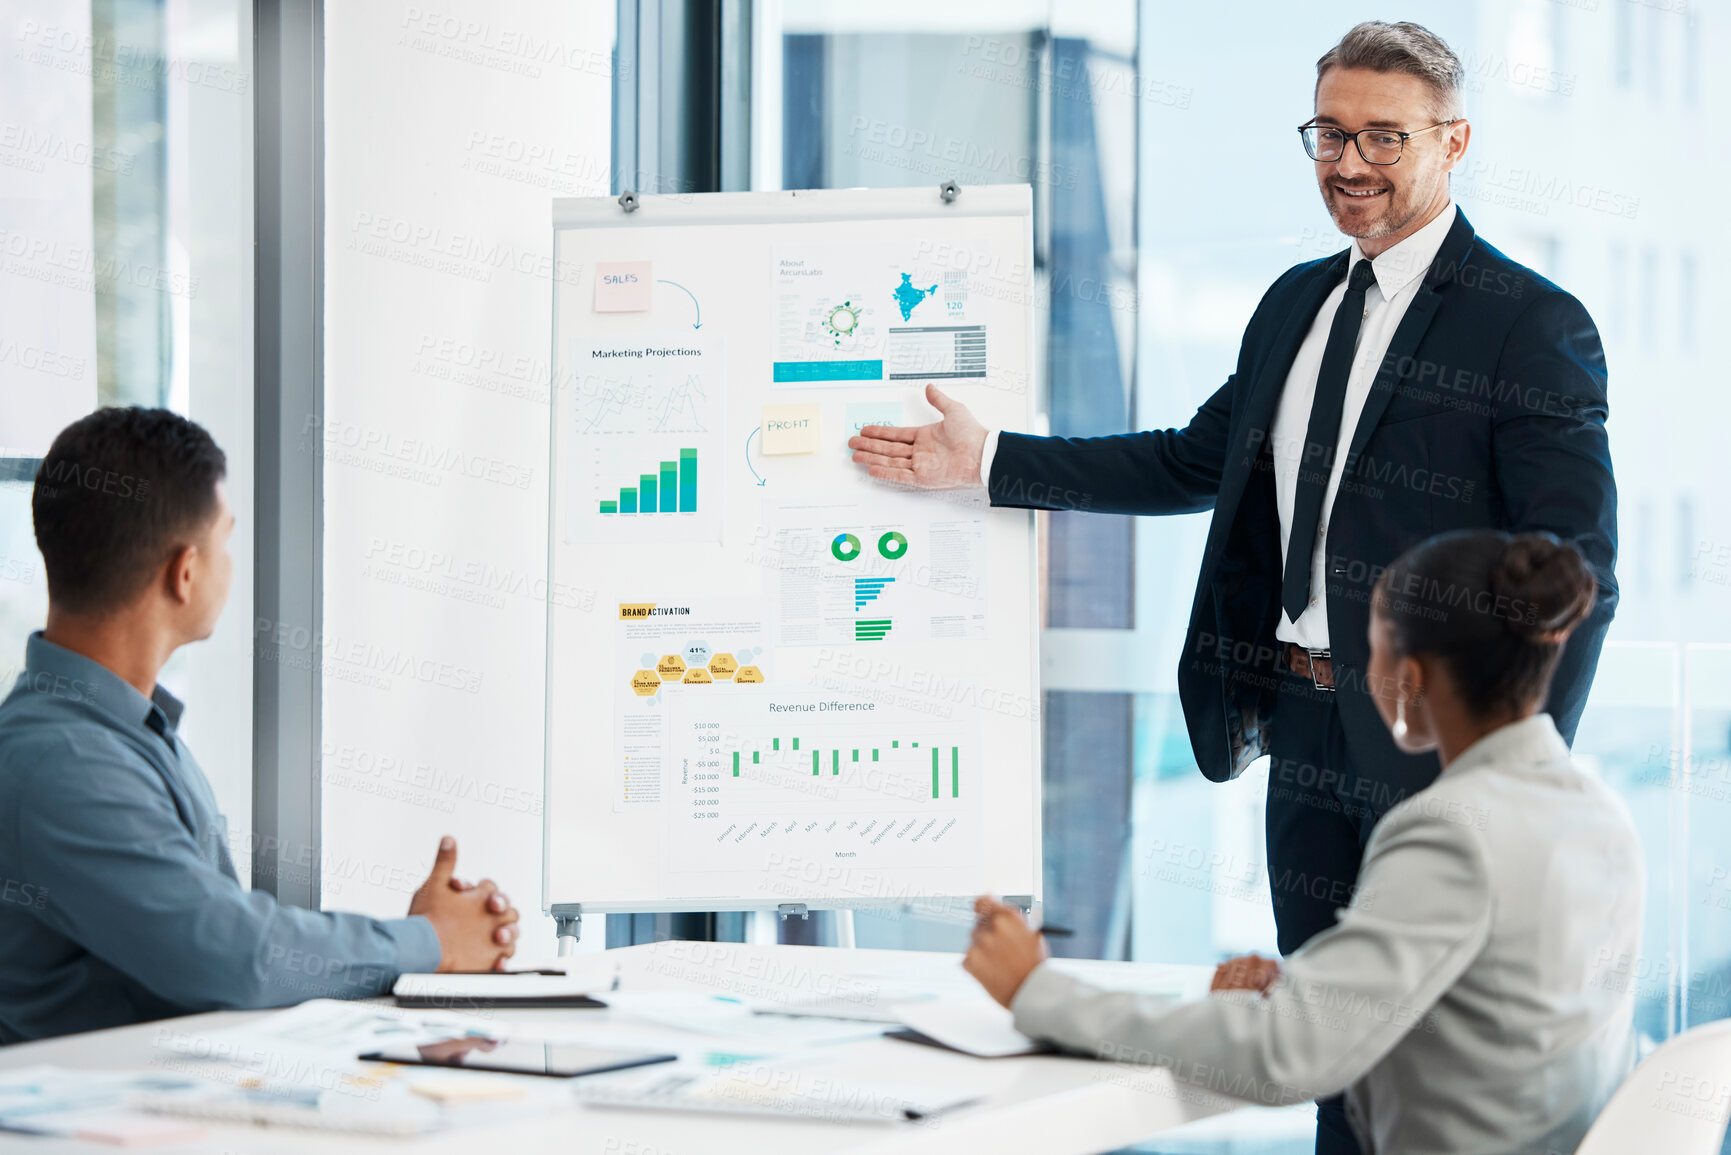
x,y
125,879
1159,471
1553,467
1421,914
1155,472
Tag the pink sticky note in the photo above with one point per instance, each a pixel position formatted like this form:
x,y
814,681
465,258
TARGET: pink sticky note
x,y
623,286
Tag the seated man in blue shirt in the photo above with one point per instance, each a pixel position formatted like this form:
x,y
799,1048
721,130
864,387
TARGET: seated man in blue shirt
x,y
118,899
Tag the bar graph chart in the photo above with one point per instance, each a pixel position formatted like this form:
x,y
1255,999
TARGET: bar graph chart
x,y
672,488
752,754
868,590
639,416
875,785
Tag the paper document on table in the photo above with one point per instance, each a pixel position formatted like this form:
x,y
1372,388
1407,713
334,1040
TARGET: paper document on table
x,y
1155,980
324,1031
974,1026
697,1013
771,1089
93,1105
396,1101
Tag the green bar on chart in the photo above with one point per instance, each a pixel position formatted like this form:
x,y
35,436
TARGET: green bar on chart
x,y
688,481
669,489
610,507
955,772
835,762
627,501
775,743
934,771
896,743
754,757
646,489
796,743
874,755
856,755
736,763
814,769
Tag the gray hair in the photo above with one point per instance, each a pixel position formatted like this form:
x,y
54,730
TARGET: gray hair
x,y
1381,46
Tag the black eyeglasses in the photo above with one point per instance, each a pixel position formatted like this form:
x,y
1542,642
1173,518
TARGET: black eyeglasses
x,y
1325,142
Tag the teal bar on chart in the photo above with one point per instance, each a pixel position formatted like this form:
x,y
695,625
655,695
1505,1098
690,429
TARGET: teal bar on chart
x,y
669,489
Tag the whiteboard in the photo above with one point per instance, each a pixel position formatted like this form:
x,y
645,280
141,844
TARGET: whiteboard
x,y
770,679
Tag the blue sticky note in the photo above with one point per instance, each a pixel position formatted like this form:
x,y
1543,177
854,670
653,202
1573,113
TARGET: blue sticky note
x,y
863,413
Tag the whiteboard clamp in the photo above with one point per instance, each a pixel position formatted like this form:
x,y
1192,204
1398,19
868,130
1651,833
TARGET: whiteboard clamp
x,y
568,925
949,191
789,909
628,200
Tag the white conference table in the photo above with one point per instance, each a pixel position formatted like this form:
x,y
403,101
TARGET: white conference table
x,y
1047,1103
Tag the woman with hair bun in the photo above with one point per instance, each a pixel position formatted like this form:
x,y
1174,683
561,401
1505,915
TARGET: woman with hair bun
x,y
1474,995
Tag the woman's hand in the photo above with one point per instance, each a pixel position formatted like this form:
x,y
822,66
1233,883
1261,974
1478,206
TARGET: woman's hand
x,y
1005,949
1247,972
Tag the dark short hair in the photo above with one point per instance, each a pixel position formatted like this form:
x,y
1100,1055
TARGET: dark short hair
x,y
1381,46
120,490
1495,607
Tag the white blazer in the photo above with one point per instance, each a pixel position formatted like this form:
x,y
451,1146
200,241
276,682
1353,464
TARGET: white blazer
x,y
1473,997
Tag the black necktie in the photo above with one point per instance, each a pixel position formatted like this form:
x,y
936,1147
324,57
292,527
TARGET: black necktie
x,y
1317,458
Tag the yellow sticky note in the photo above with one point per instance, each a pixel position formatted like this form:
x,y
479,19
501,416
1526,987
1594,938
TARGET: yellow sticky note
x,y
790,428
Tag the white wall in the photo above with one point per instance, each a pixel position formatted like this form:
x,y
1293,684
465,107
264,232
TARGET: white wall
x,y
446,135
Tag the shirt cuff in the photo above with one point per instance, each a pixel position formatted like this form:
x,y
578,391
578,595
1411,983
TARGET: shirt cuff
x,y
989,451
417,942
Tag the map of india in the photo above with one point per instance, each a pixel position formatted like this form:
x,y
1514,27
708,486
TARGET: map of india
x,y
908,295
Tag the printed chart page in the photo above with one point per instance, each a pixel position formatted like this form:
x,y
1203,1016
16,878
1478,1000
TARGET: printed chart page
x,y
791,792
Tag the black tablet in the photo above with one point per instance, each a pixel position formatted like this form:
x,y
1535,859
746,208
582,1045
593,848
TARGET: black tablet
x,y
556,1060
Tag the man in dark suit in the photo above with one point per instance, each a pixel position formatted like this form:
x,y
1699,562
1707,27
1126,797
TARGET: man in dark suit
x,y
1419,382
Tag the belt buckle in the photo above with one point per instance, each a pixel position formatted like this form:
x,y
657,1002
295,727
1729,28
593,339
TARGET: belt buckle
x,y
1315,656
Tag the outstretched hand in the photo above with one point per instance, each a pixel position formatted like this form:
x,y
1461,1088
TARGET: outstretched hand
x,y
943,455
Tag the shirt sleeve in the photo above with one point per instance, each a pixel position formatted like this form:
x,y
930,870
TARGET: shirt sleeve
x,y
1421,914
125,880
986,454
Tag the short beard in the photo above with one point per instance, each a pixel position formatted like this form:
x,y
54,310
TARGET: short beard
x,y
1403,209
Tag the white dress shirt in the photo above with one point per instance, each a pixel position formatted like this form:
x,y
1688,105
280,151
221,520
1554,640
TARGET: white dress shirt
x,y
1399,273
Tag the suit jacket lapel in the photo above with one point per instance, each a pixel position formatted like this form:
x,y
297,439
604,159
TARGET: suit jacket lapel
x,y
1253,432
1409,333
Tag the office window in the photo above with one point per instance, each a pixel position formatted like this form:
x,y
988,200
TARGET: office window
x,y
1688,299
1690,29
134,118
1662,25
1623,44
1649,298
985,94
1538,183
1183,879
